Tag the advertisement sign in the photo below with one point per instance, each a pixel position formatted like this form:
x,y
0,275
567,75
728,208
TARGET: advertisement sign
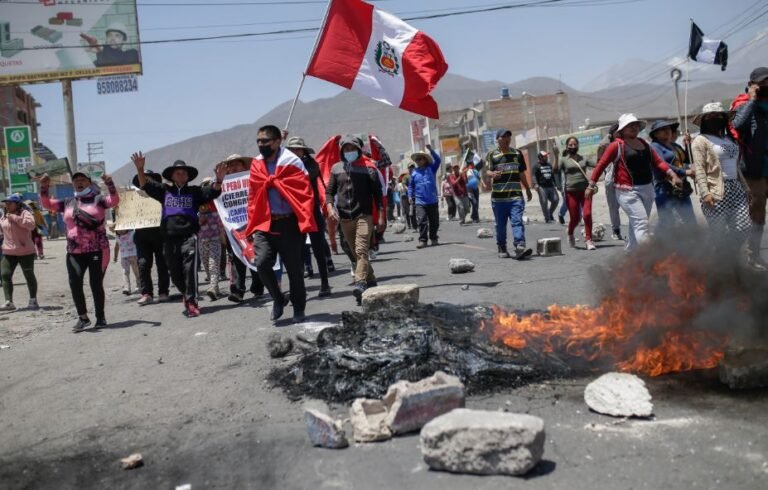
x,y
589,140
18,144
450,146
94,169
53,168
137,210
117,84
56,39
489,140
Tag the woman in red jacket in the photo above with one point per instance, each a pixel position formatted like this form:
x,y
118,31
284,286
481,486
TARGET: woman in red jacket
x,y
634,161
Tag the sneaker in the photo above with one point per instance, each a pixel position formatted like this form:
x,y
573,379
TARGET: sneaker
x,y
192,310
358,293
571,241
235,298
757,265
591,245
421,244
616,236
503,253
352,271
145,299
213,293
299,316
8,306
434,242
126,291
33,304
277,308
561,219
522,253
162,298
81,324
372,254
308,273
257,292
325,291
330,266
100,322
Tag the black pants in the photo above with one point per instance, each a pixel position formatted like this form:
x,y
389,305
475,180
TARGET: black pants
x,y
407,212
320,249
181,258
428,221
474,199
77,265
149,249
451,202
283,238
239,272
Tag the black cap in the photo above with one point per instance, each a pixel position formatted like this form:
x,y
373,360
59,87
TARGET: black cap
x,y
759,75
503,132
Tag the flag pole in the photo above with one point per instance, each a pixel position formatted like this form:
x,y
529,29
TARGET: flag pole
x,y
311,55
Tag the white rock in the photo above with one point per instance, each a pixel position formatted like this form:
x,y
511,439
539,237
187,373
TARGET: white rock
x,y
398,228
619,395
391,296
483,442
460,266
369,421
484,233
408,238
411,405
323,431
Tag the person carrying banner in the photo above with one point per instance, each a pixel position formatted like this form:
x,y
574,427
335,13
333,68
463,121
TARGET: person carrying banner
x,y
353,191
281,210
180,222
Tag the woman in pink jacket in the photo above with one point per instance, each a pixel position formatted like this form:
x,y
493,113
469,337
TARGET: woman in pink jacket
x,y
18,250
87,244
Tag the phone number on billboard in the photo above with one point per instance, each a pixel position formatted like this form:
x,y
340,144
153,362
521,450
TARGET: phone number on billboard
x,y
116,86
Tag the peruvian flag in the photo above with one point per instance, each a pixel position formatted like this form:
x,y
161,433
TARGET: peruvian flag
x,y
378,55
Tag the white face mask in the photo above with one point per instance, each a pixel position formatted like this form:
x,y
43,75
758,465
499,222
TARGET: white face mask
x,y
351,156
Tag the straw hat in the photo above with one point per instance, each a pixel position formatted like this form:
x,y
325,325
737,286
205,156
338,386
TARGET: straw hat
x,y
296,142
424,154
711,108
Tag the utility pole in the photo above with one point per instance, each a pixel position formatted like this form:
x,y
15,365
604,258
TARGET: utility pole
x,y
95,149
69,120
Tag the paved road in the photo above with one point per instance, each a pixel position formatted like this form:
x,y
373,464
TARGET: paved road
x,y
190,395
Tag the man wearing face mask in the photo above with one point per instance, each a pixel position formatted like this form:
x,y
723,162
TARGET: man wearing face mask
x,y
355,189
750,125
280,213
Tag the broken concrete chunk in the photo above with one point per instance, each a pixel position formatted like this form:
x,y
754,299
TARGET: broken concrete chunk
x,y
323,431
460,266
745,367
409,238
484,233
549,246
133,461
411,405
483,442
401,296
279,346
619,395
398,228
369,421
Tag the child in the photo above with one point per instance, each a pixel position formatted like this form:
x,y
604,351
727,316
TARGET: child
x,y
209,237
126,248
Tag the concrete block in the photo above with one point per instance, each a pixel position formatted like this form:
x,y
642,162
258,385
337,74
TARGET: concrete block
x,y
546,247
411,405
399,296
323,431
369,421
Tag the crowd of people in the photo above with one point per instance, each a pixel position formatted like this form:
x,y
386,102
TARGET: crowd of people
x,y
350,198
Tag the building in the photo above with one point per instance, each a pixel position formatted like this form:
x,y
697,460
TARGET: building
x,y
18,108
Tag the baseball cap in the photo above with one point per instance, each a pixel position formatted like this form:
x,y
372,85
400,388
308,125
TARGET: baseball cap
x,y
759,75
503,132
13,198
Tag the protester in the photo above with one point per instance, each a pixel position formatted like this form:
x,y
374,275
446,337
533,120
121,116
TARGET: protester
x,y
673,204
450,201
281,210
318,244
125,248
723,190
41,228
633,160
402,185
209,238
610,187
422,192
506,168
458,183
17,225
150,243
576,181
544,184
751,128
472,177
87,244
180,222
396,199
352,194
53,227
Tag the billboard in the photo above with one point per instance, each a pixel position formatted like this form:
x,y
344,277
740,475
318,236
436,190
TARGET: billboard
x,y
57,39
589,140
450,146
18,144
94,169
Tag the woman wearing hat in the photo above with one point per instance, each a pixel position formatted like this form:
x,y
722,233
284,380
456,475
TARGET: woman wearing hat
x,y
633,160
673,203
87,244
18,250
723,190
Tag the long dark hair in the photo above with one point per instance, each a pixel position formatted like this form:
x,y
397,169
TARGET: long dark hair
x,y
714,126
565,151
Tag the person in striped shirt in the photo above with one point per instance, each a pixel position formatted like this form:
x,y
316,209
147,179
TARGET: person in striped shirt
x,y
507,171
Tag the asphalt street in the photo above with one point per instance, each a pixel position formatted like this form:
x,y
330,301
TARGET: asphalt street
x,y
190,394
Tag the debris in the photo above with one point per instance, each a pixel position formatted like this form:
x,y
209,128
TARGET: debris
x,y
133,461
368,419
186,486
323,431
279,346
619,395
546,247
408,238
745,367
160,360
3,347
460,266
484,233
483,442
402,296
465,287
398,228
200,334
411,405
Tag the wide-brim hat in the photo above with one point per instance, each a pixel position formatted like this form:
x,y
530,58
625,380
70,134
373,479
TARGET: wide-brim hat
x,y
150,174
424,154
627,119
180,164
236,157
657,125
296,142
712,108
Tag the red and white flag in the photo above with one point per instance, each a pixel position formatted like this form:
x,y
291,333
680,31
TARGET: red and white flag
x,y
378,55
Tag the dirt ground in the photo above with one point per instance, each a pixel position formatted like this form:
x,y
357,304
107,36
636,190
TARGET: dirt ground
x,y
191,395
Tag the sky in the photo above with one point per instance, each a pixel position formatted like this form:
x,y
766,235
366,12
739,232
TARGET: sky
x,y
195,88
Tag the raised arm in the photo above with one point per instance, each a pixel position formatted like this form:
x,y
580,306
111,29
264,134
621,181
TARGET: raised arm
x,y
46,200
113,198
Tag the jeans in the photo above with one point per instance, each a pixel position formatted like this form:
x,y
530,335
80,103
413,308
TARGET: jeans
x,y
548,200
427,221
474,199
637,204
613,206
512,211
462,206
357,233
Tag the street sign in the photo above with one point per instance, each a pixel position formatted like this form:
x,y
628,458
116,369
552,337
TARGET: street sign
x,y
18,144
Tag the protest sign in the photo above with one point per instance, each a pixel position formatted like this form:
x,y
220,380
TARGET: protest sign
x,y
137,210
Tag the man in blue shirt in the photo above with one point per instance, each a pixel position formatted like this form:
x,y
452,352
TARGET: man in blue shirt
x,y
422,192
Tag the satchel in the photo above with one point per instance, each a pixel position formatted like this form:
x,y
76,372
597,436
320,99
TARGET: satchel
x,y
595,189
84,219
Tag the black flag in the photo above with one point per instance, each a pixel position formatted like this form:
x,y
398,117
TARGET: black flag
x,y
706,50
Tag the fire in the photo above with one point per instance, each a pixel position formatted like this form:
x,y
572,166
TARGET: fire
x,y
643,326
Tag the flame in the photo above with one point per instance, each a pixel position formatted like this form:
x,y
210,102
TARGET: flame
x,y
643,326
